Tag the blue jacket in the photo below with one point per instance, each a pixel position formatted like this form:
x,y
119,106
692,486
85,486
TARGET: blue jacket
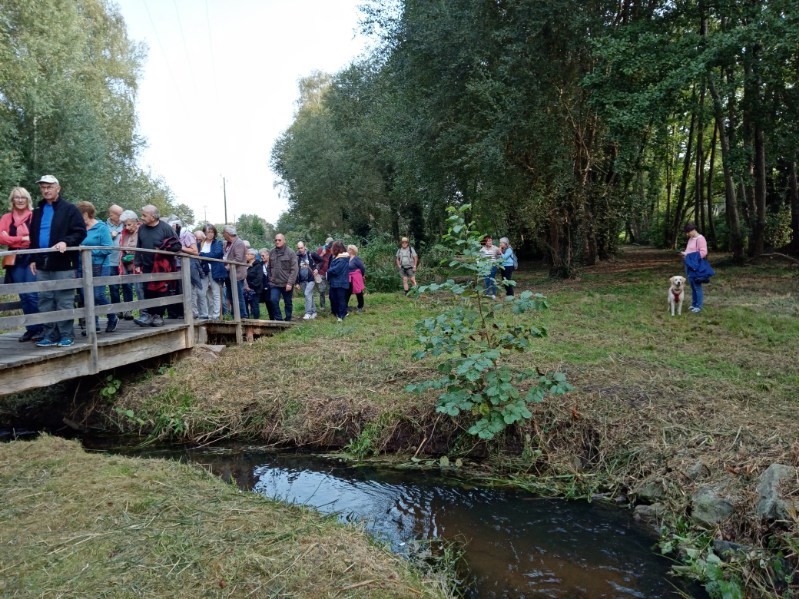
x,y
218,270
338,275
697,268
99,234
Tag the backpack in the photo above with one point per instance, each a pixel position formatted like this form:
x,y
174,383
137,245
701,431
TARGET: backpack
x,y
171,244
514,258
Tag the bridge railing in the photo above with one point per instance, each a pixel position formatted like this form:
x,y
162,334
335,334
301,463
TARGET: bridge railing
x,y
87,282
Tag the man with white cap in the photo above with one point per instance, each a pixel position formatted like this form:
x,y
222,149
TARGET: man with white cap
x,y
56,224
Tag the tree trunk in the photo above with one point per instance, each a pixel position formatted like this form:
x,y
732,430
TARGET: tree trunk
x,y
711,232
679,209
699,177
731,204
793,190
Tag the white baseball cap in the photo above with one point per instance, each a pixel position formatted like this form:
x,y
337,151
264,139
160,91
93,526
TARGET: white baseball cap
x,y
48,179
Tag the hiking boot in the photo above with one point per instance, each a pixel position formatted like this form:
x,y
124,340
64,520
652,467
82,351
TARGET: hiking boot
x,y
313,315
156,321
306,317
145,320
27,336
66,342
112,325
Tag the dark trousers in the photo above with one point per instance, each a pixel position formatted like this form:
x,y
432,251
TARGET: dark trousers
x,y
507,275
338,301
242,302
124,291
275,294
21,273
359,296
150,294
267,300
253,305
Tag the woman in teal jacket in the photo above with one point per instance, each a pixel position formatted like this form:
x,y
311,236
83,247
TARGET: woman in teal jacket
x,y
98,234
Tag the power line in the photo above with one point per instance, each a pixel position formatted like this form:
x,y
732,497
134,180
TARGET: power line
x,y
185,46
164,54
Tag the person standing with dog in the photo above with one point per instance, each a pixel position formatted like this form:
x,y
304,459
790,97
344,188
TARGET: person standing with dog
x,y
697,269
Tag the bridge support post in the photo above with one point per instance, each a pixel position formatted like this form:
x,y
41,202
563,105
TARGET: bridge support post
x,y
88,308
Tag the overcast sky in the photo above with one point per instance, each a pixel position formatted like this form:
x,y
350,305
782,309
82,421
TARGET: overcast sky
x,y
219,86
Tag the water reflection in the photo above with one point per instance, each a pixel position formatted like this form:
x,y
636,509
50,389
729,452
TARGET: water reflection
x,y
516,545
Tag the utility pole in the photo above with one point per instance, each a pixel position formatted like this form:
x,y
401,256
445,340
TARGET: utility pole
x,y
224,196
205,214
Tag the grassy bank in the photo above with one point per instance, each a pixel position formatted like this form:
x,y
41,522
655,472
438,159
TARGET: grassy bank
x,y
84,525
670,404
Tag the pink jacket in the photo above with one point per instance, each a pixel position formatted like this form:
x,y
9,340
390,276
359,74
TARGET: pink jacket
x,y
21,220
697,244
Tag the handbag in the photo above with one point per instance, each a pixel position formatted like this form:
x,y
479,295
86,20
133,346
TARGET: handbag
x,y
9,260
318,278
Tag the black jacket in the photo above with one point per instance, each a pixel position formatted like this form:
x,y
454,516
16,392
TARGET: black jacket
x,y
305,275
255,277
67,226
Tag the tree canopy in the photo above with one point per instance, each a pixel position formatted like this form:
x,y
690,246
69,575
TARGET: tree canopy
x,y
567,125
68,83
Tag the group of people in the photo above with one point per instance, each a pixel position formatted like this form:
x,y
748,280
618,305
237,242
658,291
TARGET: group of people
x,y
271,276
333,271
502,261
265,275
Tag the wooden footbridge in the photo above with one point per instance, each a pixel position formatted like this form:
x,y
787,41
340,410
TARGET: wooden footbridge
x,y
25,366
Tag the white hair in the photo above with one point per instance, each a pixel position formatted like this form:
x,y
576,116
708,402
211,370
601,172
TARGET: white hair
x,y
128,215
504,240
230,230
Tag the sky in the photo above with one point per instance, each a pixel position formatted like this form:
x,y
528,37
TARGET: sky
x,y
219,85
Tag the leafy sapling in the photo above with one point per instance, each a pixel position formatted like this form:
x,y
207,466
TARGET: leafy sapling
x,y
474,337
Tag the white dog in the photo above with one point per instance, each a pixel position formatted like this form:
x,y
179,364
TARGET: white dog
x,y
676,294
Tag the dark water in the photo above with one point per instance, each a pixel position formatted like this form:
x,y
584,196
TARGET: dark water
x,y
516,545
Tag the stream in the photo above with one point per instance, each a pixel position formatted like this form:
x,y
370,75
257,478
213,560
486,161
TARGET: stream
x,y
516,545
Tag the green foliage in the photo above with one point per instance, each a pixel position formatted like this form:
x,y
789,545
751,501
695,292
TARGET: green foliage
x,y
68,84
472,339
700,562
110,387
723,575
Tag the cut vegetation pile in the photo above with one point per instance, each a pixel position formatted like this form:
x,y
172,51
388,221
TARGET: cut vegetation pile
x,y
83,525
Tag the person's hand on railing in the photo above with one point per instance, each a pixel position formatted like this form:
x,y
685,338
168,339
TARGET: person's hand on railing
x,y
60,246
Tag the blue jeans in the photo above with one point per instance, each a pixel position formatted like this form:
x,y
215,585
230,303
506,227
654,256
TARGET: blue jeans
x,y
21,273
307,291
251,300
100,296
697,295
50,301
491,282
274,297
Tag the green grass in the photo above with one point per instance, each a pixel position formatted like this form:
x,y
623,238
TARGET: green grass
x,y
84,525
